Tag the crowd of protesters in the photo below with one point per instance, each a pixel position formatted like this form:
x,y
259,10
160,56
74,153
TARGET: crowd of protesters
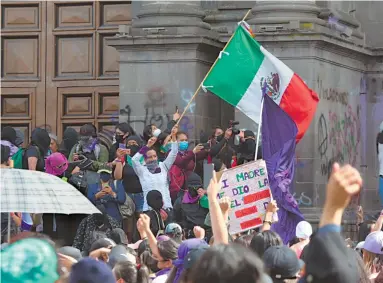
x,y
160,224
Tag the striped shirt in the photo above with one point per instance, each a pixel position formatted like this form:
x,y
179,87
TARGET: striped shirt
x,y
158,181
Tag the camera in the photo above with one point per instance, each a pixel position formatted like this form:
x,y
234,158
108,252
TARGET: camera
x,y
232,125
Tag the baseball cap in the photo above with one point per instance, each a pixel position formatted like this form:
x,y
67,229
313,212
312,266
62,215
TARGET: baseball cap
x,y
105,170
70,251
193,256
359,245
374,243
173,229
91,270
120,254
303,230
88,130
282,262
101,243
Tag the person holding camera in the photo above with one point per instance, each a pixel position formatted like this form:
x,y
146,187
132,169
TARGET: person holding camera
x,y
246,148
184,164
88,152
225,149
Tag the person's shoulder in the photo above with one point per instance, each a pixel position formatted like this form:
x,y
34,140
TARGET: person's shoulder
x,y
31,151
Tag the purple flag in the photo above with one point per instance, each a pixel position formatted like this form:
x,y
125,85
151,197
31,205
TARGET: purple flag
x,y
278,149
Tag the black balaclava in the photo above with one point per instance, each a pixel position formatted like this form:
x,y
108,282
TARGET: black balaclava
x,y
133,148
9,134
154,200
248,146
194,182
70,138
41,139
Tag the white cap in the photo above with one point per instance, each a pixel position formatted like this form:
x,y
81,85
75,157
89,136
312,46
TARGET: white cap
x,y
359,245
303,230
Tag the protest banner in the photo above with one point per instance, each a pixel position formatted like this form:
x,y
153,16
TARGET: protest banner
x,y
248,188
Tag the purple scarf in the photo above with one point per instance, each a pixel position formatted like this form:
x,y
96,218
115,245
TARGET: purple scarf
x,y
162,272
183,251
189,199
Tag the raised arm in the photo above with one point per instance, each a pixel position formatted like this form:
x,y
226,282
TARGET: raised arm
x,y
136,164
168,162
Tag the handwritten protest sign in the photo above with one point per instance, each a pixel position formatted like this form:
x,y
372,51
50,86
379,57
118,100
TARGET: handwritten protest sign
x,y
249,191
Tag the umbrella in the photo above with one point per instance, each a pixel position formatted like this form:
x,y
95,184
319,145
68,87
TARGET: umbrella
x,y
38,192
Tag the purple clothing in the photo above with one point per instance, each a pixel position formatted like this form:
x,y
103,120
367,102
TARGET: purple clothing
x,y
163,272
189,199
183,251
12,147
278,148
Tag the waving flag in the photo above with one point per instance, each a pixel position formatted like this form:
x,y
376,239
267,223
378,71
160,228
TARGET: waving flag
x,y
278,149
245,70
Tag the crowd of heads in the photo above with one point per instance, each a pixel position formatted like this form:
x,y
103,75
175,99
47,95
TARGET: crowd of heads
x,y
186,242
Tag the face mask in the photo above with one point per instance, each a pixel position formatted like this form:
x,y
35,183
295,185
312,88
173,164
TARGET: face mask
x,y
183,145
193,192
168,147
119,138
152,165
133,149
156,133
219,138
84,139
105,177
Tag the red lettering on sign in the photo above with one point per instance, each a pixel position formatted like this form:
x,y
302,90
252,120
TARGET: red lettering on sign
x,y
246,211
256,197
251,223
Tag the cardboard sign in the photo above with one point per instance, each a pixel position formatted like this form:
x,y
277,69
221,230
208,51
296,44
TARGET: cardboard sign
x,y
248,188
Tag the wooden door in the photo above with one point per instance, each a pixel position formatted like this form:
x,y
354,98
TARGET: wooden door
x,y
23,73
58,72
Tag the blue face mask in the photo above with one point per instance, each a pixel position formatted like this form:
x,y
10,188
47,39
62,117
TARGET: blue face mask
x,y
183,145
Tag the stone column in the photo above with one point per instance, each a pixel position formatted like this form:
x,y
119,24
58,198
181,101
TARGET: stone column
x,y
164,56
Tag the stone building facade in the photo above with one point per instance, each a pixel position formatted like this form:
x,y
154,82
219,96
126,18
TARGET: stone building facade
x,y
336,47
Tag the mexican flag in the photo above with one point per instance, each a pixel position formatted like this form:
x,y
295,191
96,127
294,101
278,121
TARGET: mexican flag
x,y
245,71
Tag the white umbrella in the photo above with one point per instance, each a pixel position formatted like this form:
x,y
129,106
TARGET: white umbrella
x,y
38,192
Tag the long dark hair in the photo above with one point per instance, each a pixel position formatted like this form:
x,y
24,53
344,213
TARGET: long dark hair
x,y
126,128
131,273
168,249
263,240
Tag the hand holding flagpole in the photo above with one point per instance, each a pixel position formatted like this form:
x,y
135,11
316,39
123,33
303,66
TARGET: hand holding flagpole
x,y
200,85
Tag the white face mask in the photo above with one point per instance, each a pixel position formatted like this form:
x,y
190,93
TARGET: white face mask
x,y
156,133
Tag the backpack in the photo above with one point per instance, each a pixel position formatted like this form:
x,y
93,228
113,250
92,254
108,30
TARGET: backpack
x,y
177,180
128,208
17,158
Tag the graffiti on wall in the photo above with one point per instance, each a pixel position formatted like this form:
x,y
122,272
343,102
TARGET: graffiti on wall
x,y
153,111
338,131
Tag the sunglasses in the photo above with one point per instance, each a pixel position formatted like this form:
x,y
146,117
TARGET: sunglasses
x,y
60,166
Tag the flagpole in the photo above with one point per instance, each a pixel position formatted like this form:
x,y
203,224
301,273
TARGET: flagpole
x,y
200,85
259,129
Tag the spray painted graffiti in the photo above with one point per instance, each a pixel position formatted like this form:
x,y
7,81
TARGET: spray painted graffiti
x,y
338,137
302,199
334,95
186,95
